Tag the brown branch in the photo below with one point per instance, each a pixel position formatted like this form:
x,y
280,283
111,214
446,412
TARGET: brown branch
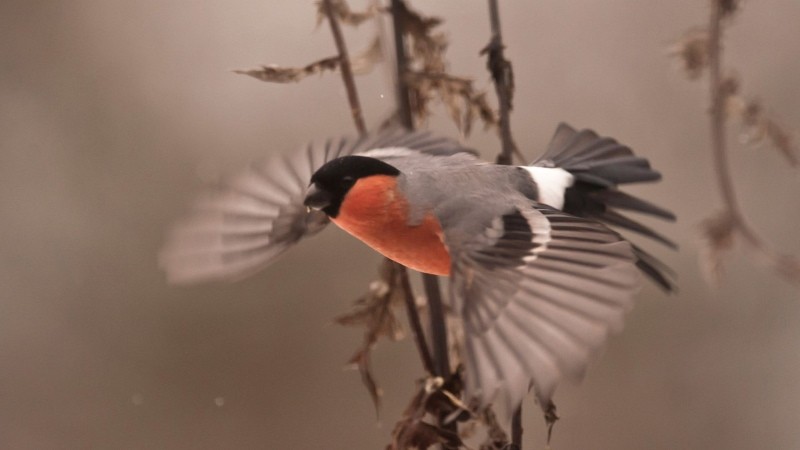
x,y
413,316
438,326
346,69
395,275
403,100
787,266
404,114
516,429
431,282
503,77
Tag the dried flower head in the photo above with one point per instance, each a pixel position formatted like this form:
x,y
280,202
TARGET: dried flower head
x,y
691,49
717,232
343,12
375,312
728,7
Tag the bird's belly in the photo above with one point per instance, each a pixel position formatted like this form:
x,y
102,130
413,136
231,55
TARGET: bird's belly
x,y
419,247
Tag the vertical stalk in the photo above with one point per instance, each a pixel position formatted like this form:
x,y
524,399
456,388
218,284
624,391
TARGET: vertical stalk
x,y
345,69
503,78
718,97
403,100
431,282
401,272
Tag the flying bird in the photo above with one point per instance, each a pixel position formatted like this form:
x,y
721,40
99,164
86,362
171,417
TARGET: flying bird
x,y
537,276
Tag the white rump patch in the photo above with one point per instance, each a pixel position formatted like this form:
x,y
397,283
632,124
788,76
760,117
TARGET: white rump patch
x,y
551,183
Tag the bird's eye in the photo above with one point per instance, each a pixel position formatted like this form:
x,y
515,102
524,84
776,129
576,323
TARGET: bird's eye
x,y
348,179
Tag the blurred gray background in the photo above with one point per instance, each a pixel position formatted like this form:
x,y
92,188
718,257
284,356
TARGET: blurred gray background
x,y
112,113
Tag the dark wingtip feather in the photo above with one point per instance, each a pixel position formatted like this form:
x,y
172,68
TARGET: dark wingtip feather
x,y
656,270
612,217
621,200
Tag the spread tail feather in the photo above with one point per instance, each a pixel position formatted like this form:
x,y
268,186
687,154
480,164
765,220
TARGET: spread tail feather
x,y
599,165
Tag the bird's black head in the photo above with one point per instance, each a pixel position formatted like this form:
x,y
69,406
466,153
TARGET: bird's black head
x,y
333,180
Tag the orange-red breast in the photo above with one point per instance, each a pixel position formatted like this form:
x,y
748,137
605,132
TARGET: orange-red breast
x,y
537,277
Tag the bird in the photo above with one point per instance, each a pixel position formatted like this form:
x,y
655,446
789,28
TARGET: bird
x,y
539,275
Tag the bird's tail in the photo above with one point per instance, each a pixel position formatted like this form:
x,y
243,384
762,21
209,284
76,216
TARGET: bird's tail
x,y
599,165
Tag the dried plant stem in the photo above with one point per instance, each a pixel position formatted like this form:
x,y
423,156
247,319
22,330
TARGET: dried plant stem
x,y
399,274
345,68
413,317
787,266
516,429
438,326
431,282
503,84
401,61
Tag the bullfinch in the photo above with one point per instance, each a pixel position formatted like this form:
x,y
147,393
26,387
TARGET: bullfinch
x,y
536,275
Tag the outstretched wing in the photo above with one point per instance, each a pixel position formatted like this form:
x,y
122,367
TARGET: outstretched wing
x,y
242,226
538,291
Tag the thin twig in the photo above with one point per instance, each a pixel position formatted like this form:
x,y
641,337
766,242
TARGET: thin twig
x,y
438,325
398,278
403,100
516,429
787,266
346,69
413,317
503,77
431,282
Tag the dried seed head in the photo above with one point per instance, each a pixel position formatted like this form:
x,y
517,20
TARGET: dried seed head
x,y
691,49
728,7
718,235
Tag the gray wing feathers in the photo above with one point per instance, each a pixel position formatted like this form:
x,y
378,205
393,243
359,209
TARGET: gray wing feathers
x,y
240,227
538,321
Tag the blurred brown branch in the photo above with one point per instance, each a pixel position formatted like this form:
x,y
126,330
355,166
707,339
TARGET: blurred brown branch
x,y
278,74
700,50
426,77
405,22
503,77
375,309
344,65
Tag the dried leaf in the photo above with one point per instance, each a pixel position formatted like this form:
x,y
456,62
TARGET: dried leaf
x,y
375,312
500,68
456,93
345,15
276,74
426,48
728,7
496,437
758,127
691,49
362,361
363,62
718,235
550,418
414,429
423,435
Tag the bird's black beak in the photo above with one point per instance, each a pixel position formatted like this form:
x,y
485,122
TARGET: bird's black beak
x,y
317,198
